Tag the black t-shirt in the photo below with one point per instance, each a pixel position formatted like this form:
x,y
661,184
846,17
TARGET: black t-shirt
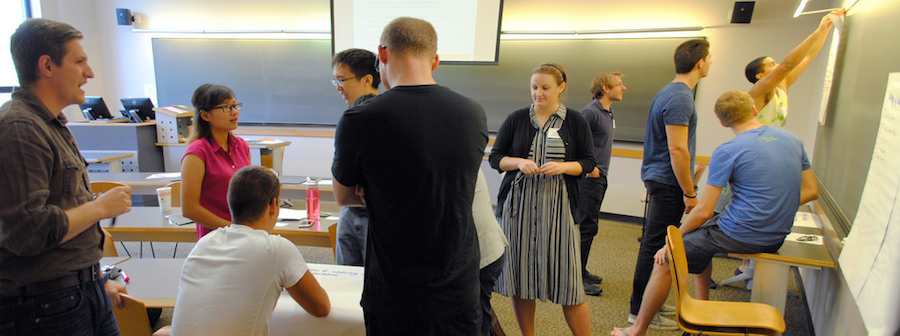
x,y
416,151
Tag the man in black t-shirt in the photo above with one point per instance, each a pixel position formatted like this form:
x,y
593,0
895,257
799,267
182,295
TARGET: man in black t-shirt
x,y
414,151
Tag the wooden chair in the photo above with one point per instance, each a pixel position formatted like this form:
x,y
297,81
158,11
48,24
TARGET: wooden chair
x,y
133,321
176,193
332,237
109,247
715,317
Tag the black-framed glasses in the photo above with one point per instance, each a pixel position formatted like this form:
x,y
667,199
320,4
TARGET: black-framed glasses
x,y
339,82
228,108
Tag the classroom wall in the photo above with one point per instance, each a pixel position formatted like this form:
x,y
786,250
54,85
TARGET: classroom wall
x,y
122,58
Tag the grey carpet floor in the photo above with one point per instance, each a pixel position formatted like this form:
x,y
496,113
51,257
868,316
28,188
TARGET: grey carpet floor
x,y
613,257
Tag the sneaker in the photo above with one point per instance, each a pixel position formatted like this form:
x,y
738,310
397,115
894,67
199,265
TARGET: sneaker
x,y
592,290
658,322
667,310
589,278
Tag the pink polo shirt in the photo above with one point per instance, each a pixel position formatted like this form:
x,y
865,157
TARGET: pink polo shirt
x,y
220,166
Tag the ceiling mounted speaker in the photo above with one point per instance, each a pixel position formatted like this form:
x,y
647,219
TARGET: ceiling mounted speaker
x,y
743,11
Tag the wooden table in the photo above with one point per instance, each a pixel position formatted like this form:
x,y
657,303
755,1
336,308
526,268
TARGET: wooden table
x,y
148,224
771,274
291,186
105,161
155,283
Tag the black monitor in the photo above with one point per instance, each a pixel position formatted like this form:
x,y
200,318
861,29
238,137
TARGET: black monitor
x,y
139,107
94,108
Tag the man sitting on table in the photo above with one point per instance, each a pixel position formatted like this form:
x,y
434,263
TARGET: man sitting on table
x,y
234,275
763,204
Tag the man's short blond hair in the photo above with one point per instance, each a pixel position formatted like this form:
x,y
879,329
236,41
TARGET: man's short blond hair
x,y
410,36
603,80
733,107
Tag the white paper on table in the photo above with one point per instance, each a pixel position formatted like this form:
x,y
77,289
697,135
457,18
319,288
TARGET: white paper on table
x,y
806,220
164,176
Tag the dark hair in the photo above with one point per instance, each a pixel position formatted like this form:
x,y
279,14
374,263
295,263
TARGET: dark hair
x,y
411,36
753,68
205,97
250,192
361,63
689,53
35,38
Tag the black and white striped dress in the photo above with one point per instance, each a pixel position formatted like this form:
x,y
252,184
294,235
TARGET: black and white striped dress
x,y
544,262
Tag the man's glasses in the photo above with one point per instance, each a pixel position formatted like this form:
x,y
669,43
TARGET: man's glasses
x,y
339,82
228,108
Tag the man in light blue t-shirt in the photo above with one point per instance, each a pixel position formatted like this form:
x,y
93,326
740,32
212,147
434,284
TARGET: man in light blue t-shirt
x,y
762,209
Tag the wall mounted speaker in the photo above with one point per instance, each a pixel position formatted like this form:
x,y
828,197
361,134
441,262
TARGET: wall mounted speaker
x,y
743,11
123,16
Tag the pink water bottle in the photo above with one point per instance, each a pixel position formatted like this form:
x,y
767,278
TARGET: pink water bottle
x,y
312,201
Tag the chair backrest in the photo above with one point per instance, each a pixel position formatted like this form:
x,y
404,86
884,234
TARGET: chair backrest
x,y
176,193
99,187
332,237
677,264
109,246
132,318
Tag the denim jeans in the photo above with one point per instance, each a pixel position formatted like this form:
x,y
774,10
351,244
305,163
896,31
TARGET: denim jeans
x,y
351,237
590,196
665,206
78,310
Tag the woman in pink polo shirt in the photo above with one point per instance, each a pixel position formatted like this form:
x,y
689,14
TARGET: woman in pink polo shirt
x,y
213,155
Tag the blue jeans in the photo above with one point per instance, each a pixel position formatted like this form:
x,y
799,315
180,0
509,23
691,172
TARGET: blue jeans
x,y
665,206
352,229
78,310
591,191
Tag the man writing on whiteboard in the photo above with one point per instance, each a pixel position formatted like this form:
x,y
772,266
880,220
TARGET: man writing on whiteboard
x,y
414,151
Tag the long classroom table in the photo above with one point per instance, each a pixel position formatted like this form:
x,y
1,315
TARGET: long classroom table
x,y
148,224
291,186
155,283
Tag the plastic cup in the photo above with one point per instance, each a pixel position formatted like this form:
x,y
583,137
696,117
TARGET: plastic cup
x,y
164,195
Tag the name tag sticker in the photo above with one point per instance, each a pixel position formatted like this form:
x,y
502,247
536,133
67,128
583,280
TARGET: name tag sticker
x,y
553,133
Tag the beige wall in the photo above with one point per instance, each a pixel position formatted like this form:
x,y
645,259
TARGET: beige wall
x,y
122,60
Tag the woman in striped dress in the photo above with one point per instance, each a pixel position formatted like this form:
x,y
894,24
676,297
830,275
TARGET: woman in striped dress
x,y
543,149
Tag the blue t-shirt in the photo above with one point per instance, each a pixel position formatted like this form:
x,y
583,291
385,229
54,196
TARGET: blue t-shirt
x,y
764,166
673,105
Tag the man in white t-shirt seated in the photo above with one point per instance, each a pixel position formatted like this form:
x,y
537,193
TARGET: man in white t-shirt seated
x,y
234,275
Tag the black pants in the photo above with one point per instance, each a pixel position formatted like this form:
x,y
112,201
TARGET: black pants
x,y
665,206
591,191
487,276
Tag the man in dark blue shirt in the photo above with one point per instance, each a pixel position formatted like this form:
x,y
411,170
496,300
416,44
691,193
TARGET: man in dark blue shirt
x,y
606,88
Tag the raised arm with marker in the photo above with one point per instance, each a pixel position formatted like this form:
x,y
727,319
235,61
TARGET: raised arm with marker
x,y
771,79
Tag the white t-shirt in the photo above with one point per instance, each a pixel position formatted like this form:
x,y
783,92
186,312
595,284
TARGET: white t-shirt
x,y
231,281
491,239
